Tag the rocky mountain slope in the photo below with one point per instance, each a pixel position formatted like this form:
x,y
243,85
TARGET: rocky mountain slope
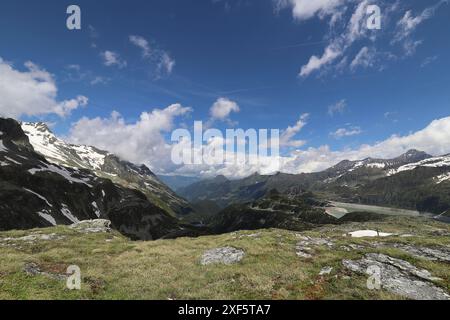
x,y
37,193
414,176
355,181
416,186
105,165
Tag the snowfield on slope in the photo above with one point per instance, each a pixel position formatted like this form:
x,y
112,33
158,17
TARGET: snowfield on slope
x,y
435,162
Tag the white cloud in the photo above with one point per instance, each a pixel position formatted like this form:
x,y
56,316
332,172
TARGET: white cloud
x,y
409,22
315,63
306,9
144,142
347,21
222,108
139,142
365,58
32,92
339,44
338,107
432,139
286,138
429,60
161,58
410,46
143,44
166,64
346,132
111,58
99,80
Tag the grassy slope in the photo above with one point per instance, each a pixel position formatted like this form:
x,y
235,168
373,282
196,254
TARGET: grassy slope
x,y
170,269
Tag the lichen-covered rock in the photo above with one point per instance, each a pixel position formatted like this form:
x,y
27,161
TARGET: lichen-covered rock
x,y
399,277
32,269
226,255
33,238
305,247
432,254
92,226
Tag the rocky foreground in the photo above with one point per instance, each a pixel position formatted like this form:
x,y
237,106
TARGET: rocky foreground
x,y
398,258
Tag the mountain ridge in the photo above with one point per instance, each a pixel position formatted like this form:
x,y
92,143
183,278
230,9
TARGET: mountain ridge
x,y
105,164
36,193
342,181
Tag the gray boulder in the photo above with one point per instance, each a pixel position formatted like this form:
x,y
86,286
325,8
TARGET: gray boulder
x,y
399,277
226,255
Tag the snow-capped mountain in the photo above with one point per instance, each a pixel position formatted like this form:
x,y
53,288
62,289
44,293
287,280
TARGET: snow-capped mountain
x,y
355,181
37,193
354,172
433,162
104,164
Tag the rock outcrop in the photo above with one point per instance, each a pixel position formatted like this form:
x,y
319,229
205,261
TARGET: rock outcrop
x,y
399,277
226,255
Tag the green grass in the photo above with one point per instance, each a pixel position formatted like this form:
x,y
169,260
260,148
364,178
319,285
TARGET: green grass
x,y
115,268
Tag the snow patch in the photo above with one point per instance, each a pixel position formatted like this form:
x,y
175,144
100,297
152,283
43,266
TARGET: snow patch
x,y
443,177
368,233
96,210
44,214
68,214
377,165
39,196
12,160
436,162
62,172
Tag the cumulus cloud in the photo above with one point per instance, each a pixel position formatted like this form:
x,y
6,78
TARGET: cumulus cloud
x,y
144,141
139,142
432,139
222,108
32,92
306,9
111,58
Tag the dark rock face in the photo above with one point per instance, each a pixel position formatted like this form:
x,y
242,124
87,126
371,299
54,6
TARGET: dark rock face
x,y
35,193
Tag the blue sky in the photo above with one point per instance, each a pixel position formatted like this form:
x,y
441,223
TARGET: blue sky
x,y
249,52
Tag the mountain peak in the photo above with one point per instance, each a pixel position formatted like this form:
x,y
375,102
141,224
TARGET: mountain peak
x,y
414,154
38,126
